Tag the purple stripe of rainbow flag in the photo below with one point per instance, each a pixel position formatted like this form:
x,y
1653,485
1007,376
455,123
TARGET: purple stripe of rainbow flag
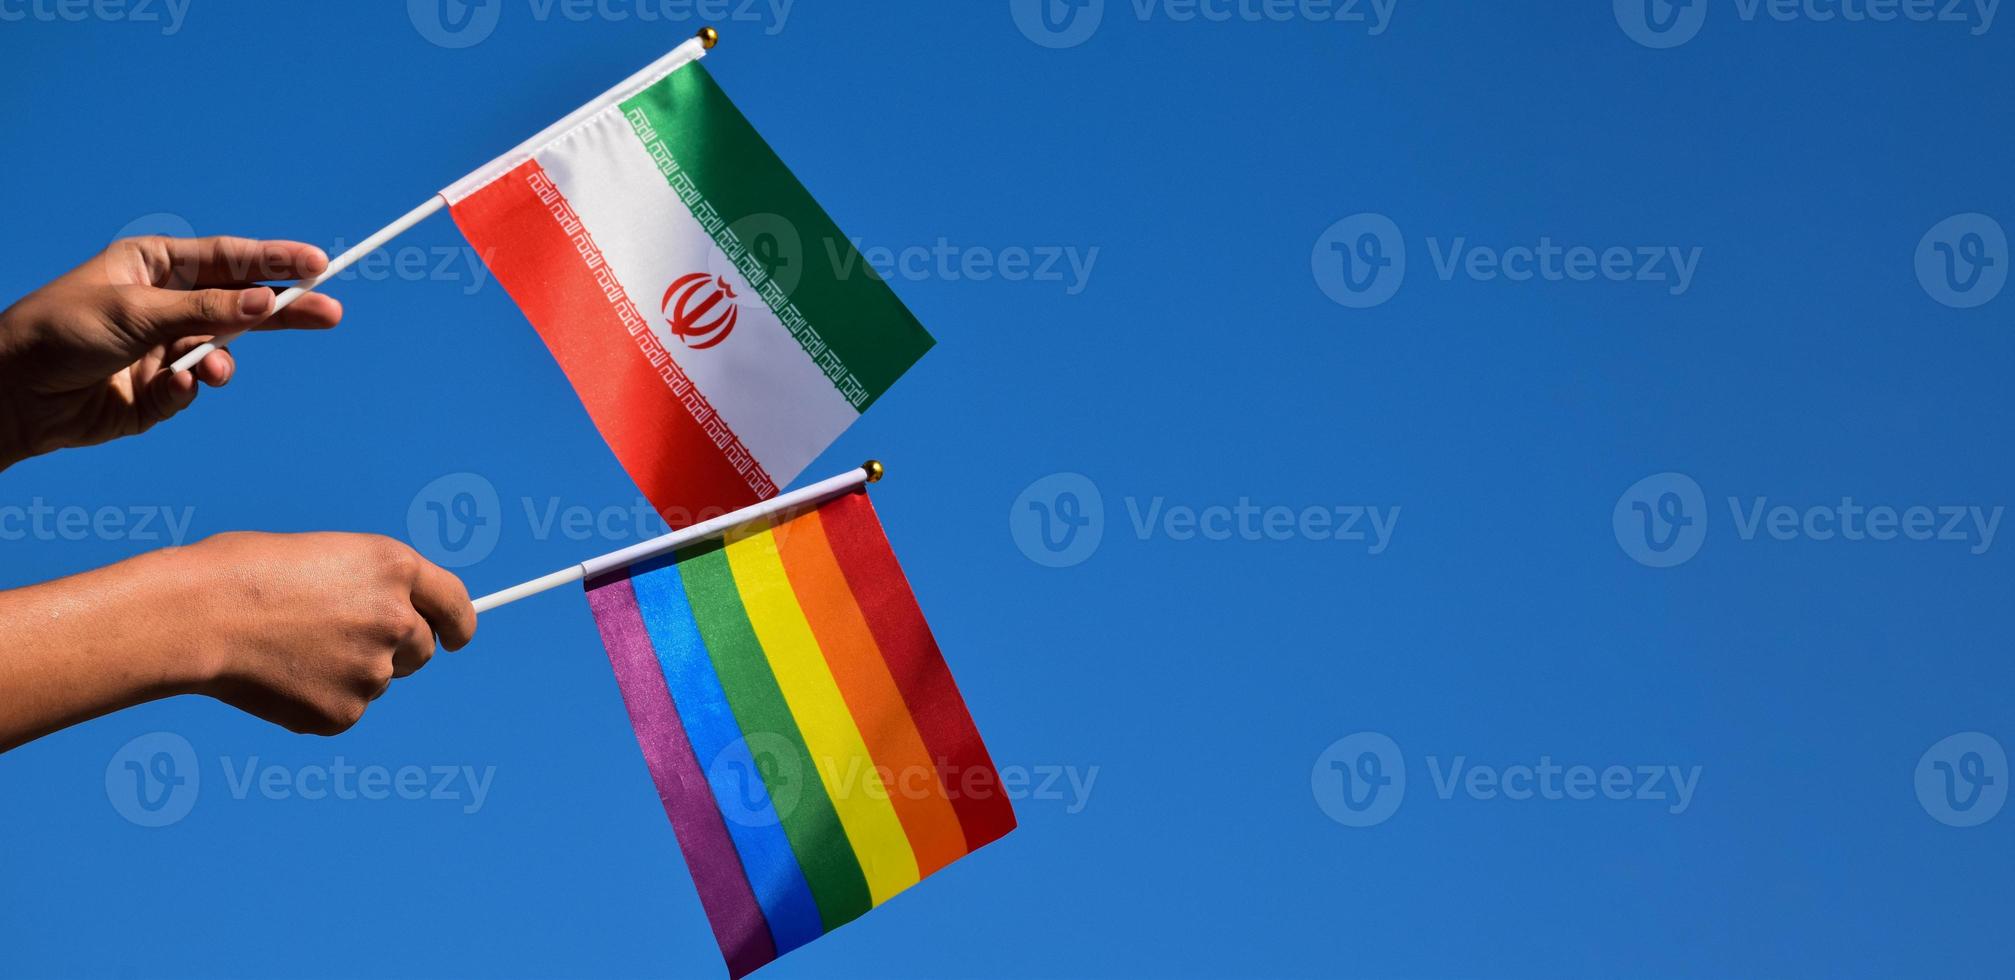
x,y
803,730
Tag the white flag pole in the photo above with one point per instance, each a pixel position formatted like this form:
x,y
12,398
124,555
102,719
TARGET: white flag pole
x,y
689,51
336,266
817,493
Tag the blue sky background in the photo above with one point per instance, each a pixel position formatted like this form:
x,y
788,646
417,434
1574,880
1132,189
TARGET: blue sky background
x,y
1198,684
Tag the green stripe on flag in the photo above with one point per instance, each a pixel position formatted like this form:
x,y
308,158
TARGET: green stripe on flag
x,y
848,320
810,822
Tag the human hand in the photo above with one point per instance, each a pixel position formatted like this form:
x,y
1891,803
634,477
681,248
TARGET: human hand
x,y
306,630
84,359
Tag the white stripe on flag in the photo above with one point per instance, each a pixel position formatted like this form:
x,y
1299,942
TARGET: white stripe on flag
x,y
693,50
759,379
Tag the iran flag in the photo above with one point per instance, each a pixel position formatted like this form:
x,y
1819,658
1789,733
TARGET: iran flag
x,y
676,269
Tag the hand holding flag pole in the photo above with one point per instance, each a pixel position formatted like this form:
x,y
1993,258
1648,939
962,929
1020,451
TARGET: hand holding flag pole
x,y
336,266
703,41
810,496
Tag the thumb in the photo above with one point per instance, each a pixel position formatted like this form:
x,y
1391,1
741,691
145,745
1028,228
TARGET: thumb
x,y
167,315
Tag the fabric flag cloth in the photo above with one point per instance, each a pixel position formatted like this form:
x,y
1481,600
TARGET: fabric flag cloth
x,y
806,738
719,328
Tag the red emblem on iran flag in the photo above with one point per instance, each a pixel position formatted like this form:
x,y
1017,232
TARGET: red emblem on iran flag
x,y
701,310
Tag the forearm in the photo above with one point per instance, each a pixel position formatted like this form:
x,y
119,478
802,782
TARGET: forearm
x,y
91,644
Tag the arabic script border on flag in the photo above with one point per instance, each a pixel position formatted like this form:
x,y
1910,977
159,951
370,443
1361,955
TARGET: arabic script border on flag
x,y
689,395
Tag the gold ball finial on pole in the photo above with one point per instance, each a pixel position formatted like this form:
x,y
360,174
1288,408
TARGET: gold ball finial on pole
x,y
709,37
874,468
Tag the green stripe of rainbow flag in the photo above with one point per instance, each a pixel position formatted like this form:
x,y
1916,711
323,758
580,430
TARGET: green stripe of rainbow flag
x,y
807,740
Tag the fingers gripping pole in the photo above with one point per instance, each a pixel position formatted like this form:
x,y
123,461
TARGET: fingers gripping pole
x,y
336,266
691,50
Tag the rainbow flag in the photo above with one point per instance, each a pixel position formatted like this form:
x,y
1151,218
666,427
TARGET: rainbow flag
x,y
805,736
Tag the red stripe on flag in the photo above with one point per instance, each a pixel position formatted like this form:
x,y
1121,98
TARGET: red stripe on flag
x,y
670,441
898,625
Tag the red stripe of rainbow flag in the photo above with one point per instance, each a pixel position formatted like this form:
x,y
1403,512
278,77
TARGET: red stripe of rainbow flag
x,y
806,738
